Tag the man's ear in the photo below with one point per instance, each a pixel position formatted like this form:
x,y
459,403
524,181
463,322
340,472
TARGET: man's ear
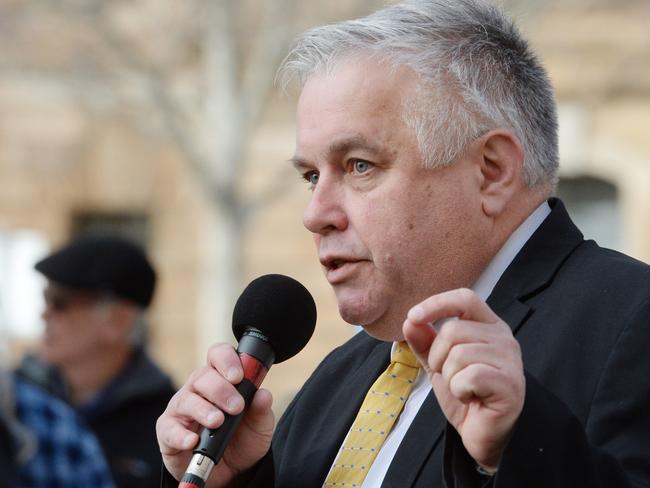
x,y
501,160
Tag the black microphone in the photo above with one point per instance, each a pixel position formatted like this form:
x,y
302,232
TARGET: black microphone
x,y
273,320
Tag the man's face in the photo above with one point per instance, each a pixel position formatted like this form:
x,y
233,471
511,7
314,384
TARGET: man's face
x,y
74,322
389,232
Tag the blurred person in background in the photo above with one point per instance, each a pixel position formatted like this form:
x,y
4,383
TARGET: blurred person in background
x,y
92,353
43,441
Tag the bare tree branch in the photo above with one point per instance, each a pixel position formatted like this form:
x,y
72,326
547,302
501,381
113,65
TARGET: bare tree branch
x,y
173,114
258,78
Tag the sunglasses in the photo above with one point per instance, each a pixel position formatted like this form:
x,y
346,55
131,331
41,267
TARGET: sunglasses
x,y
61,301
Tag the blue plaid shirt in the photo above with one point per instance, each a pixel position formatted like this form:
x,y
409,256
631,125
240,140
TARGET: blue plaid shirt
x,y
68,454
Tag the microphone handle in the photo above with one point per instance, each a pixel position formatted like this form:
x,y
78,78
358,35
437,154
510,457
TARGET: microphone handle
x,y
214,441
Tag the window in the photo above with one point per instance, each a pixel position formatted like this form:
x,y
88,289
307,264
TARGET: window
x,y
593,206
21,287
131,226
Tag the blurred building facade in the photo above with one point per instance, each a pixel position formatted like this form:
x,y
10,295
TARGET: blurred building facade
x,y
65,169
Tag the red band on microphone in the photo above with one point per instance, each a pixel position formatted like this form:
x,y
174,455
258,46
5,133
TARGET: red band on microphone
x,y
254,370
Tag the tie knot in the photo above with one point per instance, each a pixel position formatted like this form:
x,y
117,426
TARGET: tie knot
x,y
403,354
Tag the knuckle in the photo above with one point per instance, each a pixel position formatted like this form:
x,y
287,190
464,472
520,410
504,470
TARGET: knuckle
x,y
512,347
195,375
174,440
214,386
465,294
515,385
160,424
445,333
218,350
455,355
166,435
505,327
474,373
190,406
179,402
174,401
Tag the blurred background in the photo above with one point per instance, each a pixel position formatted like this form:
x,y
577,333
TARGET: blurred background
x,y
159,119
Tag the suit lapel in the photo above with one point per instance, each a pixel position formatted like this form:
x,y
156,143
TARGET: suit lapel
x,y
536,264
534,267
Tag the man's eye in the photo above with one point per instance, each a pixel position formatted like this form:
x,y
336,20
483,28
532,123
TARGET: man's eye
x,y
311,177
361,166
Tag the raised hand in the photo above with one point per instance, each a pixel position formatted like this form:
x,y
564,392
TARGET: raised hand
x,y
475,368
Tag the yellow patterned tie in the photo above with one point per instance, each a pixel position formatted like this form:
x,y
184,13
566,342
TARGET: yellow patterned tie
x,y
377,415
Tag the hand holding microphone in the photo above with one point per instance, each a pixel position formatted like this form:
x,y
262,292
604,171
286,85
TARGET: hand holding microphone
x,y
273,320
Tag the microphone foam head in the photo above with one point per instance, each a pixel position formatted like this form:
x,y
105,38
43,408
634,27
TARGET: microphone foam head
x,y
279,307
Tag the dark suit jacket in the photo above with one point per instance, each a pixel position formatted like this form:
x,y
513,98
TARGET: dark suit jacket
x,y
582,316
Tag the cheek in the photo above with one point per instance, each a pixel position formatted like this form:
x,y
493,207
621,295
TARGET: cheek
x,y
414,242
387,229
56,325
77,330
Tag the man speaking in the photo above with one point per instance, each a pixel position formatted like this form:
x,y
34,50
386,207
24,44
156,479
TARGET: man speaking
x,y
499,347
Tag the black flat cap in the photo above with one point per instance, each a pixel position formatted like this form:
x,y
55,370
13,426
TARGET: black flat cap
x,y
102,263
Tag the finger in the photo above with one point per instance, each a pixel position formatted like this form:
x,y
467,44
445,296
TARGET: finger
x,y
256,431
420,337
262,401
224,358
260,415
452,408
453,333
217,390
173,437
462,356
187,405
462,303
475,381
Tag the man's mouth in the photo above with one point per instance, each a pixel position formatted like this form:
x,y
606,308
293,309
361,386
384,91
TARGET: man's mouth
x,y
333,263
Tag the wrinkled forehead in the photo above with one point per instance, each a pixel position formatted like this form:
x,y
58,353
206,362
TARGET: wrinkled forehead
x,y
359,104
354,88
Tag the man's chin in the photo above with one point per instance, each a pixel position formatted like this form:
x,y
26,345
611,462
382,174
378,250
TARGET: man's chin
x,y
48,356
355,312
383,331
375,325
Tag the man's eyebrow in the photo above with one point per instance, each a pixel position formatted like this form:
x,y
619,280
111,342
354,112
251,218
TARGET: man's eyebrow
x,y
340,147
298,162
354,142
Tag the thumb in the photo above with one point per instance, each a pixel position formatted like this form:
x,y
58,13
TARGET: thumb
x,y
260,416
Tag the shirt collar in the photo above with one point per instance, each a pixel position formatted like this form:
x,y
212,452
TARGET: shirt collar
x,y
485,283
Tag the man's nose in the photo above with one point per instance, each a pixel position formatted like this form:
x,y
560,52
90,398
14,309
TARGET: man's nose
x,y
46,313
326,209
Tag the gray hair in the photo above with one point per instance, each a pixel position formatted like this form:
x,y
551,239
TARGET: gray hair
x,y
137,336
476,74
140,331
